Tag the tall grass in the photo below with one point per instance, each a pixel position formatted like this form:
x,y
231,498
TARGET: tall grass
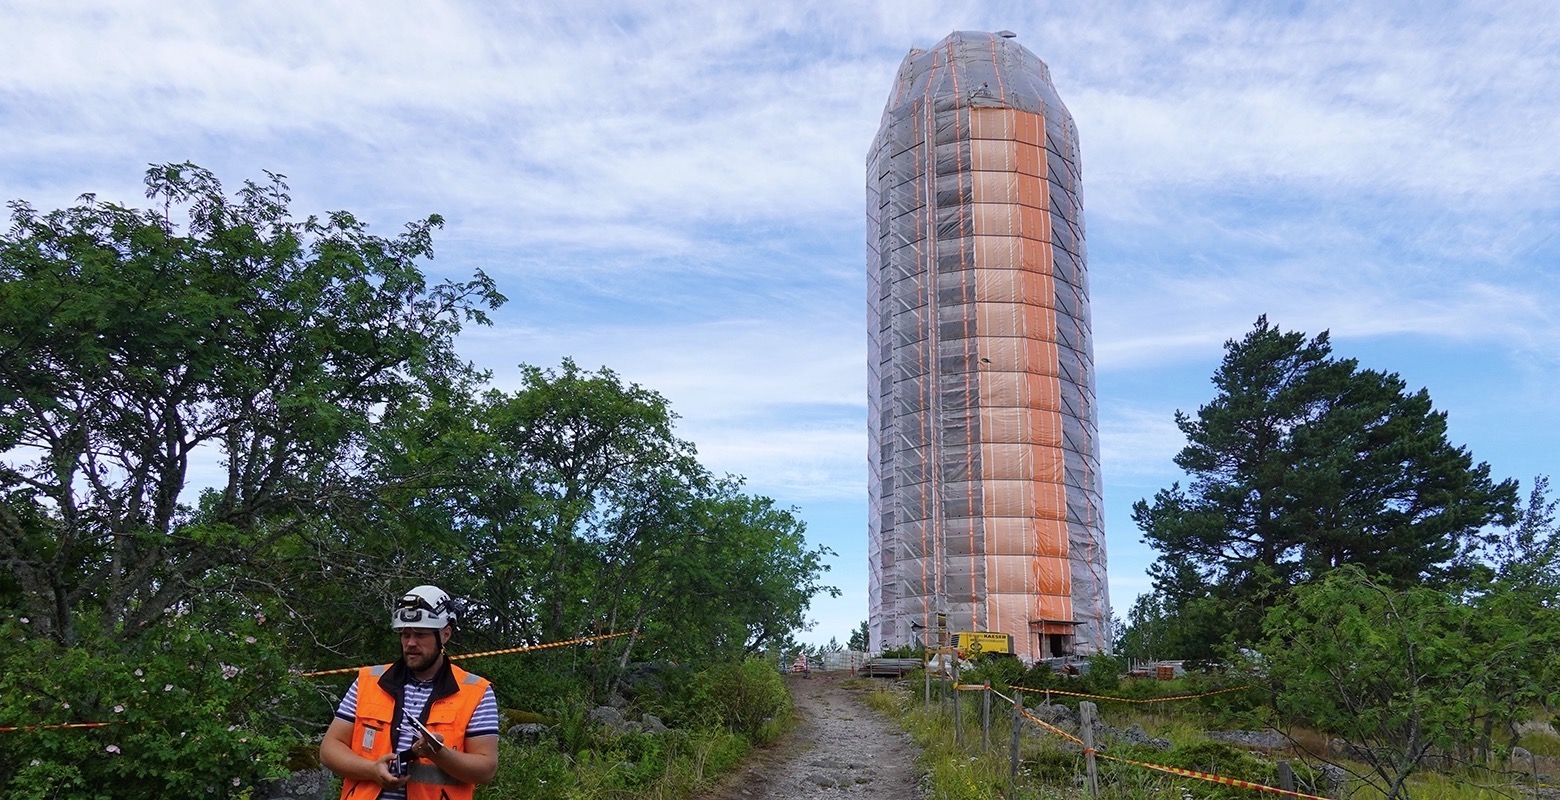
x,y
719,714
1053,768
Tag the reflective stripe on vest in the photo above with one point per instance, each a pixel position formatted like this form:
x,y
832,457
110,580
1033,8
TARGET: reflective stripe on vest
x,y
419,772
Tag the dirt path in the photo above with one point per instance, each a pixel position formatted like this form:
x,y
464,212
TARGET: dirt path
x,y
839,746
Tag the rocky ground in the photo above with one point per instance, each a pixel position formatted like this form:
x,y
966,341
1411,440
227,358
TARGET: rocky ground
x,y
839,746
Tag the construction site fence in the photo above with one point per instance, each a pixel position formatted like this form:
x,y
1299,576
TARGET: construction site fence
x,y
951,691
841,661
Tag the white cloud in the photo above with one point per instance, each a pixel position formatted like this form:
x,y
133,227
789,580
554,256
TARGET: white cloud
x,y
675,190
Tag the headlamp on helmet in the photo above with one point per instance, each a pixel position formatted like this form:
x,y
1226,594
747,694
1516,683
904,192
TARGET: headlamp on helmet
x,y
423,607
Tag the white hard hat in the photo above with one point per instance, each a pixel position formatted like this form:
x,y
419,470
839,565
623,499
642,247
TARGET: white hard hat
x,y
423,607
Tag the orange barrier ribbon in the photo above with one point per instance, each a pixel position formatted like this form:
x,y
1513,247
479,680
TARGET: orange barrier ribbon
x,y
505,651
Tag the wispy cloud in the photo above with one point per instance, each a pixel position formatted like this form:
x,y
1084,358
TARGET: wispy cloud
x,y
675,190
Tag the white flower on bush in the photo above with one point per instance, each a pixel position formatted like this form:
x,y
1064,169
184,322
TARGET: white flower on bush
x,y
229,671
113,748
119,709
167,687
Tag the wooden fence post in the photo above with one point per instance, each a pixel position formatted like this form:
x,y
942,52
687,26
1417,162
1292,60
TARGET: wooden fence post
x,y
985,718
1286,776
1018,730
926,672
1087,713
958,717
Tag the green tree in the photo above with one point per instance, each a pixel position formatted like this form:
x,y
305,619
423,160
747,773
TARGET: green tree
x,y
1404,673
1303,462
1520,593
208,333
734,576
579,512
131,345
570,450
860,639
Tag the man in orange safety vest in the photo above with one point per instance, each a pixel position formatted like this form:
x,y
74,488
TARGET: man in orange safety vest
x,y
374,743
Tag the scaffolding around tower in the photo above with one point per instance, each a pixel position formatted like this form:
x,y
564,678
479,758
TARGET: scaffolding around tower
x,y
984,496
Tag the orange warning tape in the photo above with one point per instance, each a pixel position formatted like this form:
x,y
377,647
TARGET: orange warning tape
x,y
1204,776
345,670
12,728
1185,773
1052,728
1128,699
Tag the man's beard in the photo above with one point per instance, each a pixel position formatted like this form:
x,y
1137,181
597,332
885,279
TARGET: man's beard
x,y
421,661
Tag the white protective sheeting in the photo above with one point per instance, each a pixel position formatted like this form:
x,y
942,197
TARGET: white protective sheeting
x,y
983,449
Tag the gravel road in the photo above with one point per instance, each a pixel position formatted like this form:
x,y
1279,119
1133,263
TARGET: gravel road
x,y
839,746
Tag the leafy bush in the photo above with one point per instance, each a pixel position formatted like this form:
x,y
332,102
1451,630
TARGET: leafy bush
x,y
1041,676
194,707
1002,671
744,697
538,772
1103,676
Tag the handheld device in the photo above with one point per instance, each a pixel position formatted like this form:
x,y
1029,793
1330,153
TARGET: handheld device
x,y
398,764
427,735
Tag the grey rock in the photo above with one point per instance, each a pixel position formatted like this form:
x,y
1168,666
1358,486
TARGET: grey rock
x,y
1262,740
527,732
1055,713
605,715
653,724
310,784
609,717
820,779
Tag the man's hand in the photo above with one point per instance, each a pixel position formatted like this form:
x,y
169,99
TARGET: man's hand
x,y
382,772
425,747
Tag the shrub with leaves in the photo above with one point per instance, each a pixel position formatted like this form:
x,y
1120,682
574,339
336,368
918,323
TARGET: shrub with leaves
x,y
193,712
744,697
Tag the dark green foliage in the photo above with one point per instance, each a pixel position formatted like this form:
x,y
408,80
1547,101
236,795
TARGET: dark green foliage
x,y
1042,676
1405,673
356,455
747,697
1002,671
668,764
1301,463
1055,767
196,709
132,344
860,639
578,512
129,339
1103,675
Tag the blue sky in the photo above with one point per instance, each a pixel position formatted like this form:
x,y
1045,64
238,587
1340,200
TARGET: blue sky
x,y
675,191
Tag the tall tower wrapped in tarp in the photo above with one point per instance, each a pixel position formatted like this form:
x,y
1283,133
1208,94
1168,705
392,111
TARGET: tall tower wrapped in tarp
x,y
983,450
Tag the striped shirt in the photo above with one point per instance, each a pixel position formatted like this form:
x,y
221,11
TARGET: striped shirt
x,y
484,721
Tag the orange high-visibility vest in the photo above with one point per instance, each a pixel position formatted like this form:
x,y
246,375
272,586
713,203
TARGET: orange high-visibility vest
x,y
448,716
